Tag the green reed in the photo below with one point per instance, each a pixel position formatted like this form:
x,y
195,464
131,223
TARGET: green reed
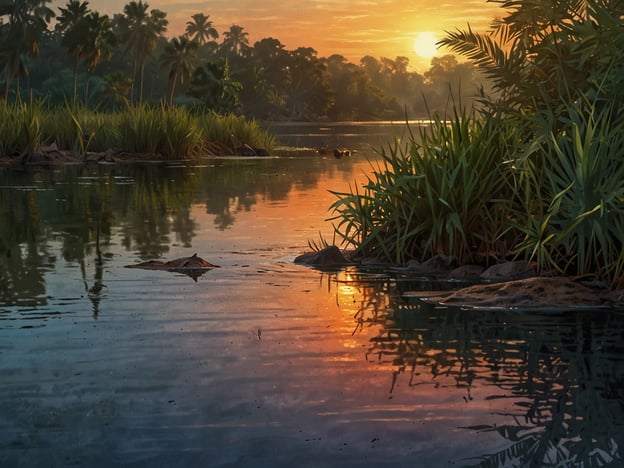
x,y
9,128
76,128
234,131
447,190
572,181
549,189
140,129
181,134
20,127
165,131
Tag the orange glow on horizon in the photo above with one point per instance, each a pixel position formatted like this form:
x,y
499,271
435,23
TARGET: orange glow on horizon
x,y
351,28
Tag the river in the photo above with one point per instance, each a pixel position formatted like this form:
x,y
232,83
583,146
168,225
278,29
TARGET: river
x,y
262,362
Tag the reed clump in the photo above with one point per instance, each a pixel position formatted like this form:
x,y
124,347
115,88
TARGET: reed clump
x,y
536,174
166,132
447,190
484,190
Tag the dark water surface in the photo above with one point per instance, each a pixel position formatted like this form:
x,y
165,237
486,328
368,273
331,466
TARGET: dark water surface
x,y
262,362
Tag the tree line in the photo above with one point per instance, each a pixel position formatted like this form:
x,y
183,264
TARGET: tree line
x,y
82,56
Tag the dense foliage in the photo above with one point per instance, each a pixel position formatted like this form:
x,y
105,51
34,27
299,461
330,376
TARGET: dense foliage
x,y
536,174
109,62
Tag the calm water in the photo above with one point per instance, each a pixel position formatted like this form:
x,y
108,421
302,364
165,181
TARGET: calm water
x,y
262,362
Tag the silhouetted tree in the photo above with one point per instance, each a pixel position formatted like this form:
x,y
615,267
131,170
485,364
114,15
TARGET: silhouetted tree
x,y
235,42
201,29
73,40
27,20
140,32
180,56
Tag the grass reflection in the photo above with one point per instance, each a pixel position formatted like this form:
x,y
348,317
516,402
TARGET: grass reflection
x,y
557,379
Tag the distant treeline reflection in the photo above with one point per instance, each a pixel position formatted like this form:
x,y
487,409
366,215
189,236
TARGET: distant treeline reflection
x,y
146,207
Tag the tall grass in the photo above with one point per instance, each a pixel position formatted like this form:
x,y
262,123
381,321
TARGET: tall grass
x,y
166,131
448,190
572,181
140,129
75,127
234,131
20,127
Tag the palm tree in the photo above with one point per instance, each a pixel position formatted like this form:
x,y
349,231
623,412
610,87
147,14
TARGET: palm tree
x,y
543,51
180,55
115,90
68,25
235,41
140,31
201,29
75,10
99,41
27,20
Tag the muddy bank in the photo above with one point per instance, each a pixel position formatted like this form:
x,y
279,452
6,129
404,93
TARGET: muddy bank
x,y
536,292
507,285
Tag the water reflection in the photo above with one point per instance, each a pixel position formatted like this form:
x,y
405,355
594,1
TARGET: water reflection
x,y
552,383
355,136
145,208
262,358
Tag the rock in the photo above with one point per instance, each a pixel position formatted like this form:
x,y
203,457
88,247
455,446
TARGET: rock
x,y
91,157
45,155
52,149
193,262
247,150
467,272
535,292
414,266
434,266
36,157
373,261
329,256
341,153
509,271
439,263
192,266
108,156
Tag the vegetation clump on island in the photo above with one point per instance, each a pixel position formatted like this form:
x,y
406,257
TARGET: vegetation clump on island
x,y
535,173
157,131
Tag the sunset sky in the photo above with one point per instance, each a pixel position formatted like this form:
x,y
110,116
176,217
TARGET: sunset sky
x,y
352,28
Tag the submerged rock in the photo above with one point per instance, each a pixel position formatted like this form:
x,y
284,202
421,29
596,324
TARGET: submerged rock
x,y
330,256
341,153
247,150
192,266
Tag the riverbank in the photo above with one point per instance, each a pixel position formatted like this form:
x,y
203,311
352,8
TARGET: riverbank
x,y
505,285
52,155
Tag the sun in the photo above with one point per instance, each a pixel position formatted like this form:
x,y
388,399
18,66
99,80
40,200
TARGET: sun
x,y
425,44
